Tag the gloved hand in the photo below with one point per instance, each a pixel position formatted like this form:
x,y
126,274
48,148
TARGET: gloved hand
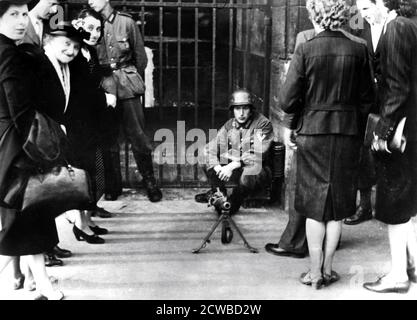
x,y
379,145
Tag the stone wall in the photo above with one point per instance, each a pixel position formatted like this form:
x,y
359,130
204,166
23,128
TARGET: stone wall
x,y
289,17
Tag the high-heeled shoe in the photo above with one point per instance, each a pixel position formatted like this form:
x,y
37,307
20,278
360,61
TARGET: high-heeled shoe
x,y
308,280
19,282
30,285
81,235
328,279
54,295
98,231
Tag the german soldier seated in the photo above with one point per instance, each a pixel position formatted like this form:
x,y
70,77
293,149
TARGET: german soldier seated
x,y
239,152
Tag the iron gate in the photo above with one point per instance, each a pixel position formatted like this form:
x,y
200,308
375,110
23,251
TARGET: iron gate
x,y
202,50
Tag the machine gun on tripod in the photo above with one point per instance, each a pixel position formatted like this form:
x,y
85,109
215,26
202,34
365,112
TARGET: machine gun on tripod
x,y
219,201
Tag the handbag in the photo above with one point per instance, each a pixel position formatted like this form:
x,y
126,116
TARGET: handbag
x,y
38,181
398,141
45,140
57,190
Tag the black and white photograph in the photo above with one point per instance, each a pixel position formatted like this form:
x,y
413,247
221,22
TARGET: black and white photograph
x,y
208,156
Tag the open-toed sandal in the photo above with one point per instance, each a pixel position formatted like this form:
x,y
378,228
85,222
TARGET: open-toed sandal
x,y
328,279
308,280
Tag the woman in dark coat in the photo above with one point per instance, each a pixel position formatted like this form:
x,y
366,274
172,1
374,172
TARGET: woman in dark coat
x,y
90,114
20,234
92,22
63,91
329,89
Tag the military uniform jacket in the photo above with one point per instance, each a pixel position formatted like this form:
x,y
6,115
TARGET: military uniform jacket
x,y
234,140
122,50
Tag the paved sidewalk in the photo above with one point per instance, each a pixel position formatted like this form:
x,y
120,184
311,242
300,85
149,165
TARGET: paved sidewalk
x,y
148,255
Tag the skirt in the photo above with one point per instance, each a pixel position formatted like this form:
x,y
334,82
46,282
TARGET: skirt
x,y
26,234
396,187
327,176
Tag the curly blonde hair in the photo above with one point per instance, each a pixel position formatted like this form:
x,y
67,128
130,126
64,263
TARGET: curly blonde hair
x,y
328,14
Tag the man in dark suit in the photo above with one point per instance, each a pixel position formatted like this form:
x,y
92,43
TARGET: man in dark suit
x,y
375,18
293,242
38,16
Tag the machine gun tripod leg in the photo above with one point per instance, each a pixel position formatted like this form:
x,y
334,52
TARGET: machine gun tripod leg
x,y
219,201
247,245
207,238
226,234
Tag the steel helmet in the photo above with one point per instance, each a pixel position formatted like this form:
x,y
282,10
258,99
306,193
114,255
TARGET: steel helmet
x,y
241,97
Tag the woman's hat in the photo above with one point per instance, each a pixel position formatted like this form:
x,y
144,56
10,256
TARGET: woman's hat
x,y
66,29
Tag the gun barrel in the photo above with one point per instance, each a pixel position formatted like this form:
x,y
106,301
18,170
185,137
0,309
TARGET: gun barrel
x,y
226,205
219,200
221,203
